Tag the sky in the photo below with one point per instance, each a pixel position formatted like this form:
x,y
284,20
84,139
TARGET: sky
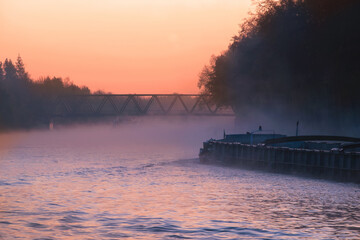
x,y
118,46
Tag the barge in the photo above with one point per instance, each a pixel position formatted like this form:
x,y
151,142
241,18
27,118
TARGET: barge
x,y
330,157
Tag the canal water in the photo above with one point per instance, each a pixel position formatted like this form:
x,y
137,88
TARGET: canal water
x,y
144,181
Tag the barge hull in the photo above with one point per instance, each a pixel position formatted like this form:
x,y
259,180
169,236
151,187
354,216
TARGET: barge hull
x,y
335,165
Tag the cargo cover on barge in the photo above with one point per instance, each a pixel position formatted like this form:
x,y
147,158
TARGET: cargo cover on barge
x,y
331,157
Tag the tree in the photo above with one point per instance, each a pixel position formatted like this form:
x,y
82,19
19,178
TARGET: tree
x,y
1,73
293,59
10,71
20,70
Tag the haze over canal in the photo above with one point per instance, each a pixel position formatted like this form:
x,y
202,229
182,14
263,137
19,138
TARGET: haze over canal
x,y
143,180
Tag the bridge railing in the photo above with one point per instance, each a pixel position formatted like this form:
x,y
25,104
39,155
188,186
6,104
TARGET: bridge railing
x,y
137,105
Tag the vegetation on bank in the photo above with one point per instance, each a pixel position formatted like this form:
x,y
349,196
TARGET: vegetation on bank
x,y
25,103
293,60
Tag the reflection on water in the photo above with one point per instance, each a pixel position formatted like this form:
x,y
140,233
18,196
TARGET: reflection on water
x,y
50,189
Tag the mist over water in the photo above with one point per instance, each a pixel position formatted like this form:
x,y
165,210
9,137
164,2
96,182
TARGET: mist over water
x,y
142,180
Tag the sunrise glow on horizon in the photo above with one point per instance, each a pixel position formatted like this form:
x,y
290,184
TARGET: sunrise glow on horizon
x,y
137,46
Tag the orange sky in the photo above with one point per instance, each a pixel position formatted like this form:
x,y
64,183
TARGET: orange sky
x,y
134,46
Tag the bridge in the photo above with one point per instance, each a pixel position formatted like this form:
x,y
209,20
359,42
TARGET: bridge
x,y
138,105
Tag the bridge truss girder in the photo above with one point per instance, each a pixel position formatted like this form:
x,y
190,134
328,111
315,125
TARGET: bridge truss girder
x,y
137,105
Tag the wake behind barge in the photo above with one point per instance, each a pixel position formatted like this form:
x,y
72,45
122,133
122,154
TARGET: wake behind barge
x,y
330,157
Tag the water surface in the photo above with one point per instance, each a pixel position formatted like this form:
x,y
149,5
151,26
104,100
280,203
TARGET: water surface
x,y
112,183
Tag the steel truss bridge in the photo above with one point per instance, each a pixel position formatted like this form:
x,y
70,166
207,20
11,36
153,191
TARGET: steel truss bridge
x,y
138,105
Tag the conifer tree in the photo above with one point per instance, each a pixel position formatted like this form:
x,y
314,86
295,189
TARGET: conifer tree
x,y
20,69
10,71
1,73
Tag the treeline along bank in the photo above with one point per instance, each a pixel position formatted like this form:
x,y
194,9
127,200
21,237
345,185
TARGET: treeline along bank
x,y
26,103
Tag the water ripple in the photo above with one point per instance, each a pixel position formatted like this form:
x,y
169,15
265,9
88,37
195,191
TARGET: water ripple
x,y
71,219
36,225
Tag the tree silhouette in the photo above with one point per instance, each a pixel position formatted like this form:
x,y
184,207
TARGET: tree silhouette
x,y
1,74
10,71
293,60
20,70
25,103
